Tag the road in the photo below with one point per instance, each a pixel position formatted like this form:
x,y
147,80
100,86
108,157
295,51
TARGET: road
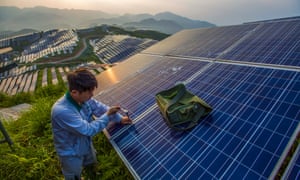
x,y
78,53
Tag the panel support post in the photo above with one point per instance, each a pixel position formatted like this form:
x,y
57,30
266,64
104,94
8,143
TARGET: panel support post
x,y
6,136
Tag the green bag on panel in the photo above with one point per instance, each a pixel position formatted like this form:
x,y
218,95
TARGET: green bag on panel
x,y
180,108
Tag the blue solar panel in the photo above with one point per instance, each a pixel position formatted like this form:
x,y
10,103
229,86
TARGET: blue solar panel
x,y
213,42
272,43
256,111
257,116
209,42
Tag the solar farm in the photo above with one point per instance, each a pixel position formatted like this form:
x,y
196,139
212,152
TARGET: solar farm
x,y
20,73
248,73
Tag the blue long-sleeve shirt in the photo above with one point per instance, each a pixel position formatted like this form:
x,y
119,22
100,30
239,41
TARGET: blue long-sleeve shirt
x,y
74,125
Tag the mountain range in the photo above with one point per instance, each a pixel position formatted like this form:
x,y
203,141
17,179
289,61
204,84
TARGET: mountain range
x,y
44,18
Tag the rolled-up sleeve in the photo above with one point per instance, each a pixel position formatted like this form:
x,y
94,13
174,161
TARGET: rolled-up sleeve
x,y
99,109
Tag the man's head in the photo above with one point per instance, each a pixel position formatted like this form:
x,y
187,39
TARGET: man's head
x,y
81,84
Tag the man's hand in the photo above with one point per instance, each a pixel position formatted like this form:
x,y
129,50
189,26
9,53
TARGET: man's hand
x,y
126,120
113,110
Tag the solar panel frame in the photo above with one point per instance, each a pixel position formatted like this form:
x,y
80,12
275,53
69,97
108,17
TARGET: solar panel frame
x,y
292,171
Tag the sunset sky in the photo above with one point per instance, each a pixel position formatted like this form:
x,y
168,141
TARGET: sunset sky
x,y
220,12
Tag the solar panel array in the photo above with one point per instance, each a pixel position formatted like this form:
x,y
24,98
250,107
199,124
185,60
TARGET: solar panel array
x,y
265,42
255,100
273,43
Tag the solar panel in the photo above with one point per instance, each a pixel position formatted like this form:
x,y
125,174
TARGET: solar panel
x,y
245,135
272,43
259,118
254,121
210,42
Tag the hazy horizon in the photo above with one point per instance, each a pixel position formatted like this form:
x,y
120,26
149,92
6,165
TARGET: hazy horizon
x,y
225,12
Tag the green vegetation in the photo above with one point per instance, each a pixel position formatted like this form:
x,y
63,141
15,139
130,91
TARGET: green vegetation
x,y
88,55
21,46
34,156
139,33
7,101
96,32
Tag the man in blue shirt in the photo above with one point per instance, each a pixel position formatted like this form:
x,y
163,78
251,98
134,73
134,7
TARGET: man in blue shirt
x,y
75,118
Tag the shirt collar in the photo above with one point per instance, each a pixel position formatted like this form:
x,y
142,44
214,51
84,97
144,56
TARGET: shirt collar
x,y
72,101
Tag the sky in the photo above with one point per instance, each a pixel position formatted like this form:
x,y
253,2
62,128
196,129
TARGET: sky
x,y
219,12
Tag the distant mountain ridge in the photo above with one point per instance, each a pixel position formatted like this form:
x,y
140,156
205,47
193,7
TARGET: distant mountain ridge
x,y
44,18
166,26
5,34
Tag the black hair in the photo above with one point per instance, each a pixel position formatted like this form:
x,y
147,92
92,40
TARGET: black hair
x,y
81,80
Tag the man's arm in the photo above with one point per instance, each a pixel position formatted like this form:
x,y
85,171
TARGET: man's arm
x,y
72,121
99,109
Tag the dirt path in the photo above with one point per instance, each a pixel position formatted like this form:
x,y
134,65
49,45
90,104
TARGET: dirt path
x,y
78,54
